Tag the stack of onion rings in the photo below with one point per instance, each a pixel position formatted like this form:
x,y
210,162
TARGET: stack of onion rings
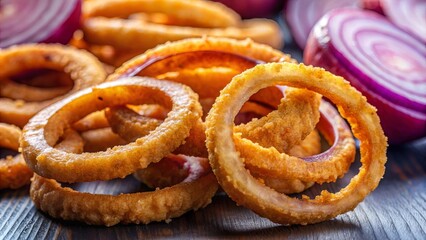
x,y
214,114
66,164
280,129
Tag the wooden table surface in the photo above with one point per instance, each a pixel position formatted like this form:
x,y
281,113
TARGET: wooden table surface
x,y
395,210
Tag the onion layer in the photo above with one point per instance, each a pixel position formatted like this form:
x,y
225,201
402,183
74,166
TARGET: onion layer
x,y
48,21
409,15
379,59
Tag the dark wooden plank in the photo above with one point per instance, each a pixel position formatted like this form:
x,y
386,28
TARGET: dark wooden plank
x,y
395,210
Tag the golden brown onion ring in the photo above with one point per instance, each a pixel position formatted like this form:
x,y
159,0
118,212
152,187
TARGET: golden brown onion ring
x,y
248,191
101,209
46,127
14,172
83,68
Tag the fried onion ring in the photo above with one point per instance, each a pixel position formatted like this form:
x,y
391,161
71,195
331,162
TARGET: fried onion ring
x,y
83,68
280,208
44,129
14,172
99,209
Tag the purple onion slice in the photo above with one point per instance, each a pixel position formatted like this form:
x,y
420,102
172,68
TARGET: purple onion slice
x,y
382,61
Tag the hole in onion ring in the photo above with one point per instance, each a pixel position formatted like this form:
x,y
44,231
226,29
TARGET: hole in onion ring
x,y
36,85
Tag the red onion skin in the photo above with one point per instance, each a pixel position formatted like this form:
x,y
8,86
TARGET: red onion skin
x,y
373,5
253,8
399,126
65,31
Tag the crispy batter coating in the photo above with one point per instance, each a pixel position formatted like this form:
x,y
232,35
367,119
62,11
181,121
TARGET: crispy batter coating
x,y
248,191
83,68
281,128
330,165
46,127
144,207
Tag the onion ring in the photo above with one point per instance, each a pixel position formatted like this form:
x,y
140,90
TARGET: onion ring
x,y
43,130
83,68
14,173
100,209
248,191
145,207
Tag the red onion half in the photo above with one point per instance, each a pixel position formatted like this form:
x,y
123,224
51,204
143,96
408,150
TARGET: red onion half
x,y
385,63
301,15
48,21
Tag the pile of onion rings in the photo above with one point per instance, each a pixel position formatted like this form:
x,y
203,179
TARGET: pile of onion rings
x,y
76,166
118,30
215,61
186,117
